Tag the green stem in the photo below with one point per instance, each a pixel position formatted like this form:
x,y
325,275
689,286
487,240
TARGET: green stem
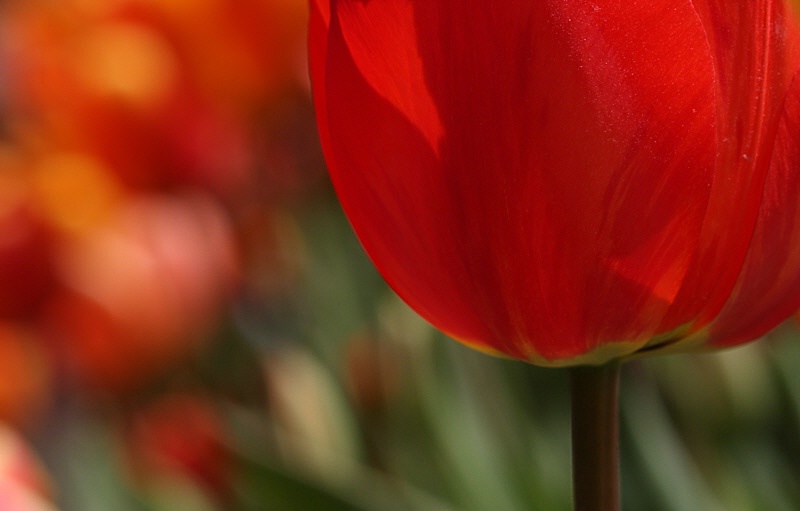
x,y
595,437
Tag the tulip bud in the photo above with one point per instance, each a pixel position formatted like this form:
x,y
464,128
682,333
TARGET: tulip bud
x,y
570,182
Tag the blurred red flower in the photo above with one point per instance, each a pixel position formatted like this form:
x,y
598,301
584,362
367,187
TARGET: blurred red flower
x,y
181,434
24,486
570,182
142,293
131,152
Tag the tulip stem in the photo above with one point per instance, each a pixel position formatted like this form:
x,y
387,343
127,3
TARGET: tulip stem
x,y
595,437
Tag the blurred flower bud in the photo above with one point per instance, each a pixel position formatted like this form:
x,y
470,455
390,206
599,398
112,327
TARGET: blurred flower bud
x,y
181,434
144,292
23,484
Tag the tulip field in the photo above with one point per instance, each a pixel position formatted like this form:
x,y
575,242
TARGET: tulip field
x,y
341,255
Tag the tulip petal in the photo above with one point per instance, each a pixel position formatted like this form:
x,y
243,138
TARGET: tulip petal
x,y
768,288
376,150
531,178
755,54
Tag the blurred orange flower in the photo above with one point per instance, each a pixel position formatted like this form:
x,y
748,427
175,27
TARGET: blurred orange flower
x,y
129,151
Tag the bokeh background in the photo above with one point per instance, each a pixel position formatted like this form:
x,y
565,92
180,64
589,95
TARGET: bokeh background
x,y
188,323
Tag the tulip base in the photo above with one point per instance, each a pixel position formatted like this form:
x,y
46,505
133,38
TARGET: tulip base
x,y
595,437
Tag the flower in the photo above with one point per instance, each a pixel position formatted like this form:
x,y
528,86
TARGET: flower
x,y
180,435
132,139
24,486
570,182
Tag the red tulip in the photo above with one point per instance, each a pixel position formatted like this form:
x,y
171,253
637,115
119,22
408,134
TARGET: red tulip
x,y
570,182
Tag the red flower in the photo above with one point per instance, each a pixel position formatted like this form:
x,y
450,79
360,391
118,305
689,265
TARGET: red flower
x,y
181,434
569,182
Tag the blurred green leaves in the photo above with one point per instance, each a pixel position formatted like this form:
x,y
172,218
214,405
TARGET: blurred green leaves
x,y
350,402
